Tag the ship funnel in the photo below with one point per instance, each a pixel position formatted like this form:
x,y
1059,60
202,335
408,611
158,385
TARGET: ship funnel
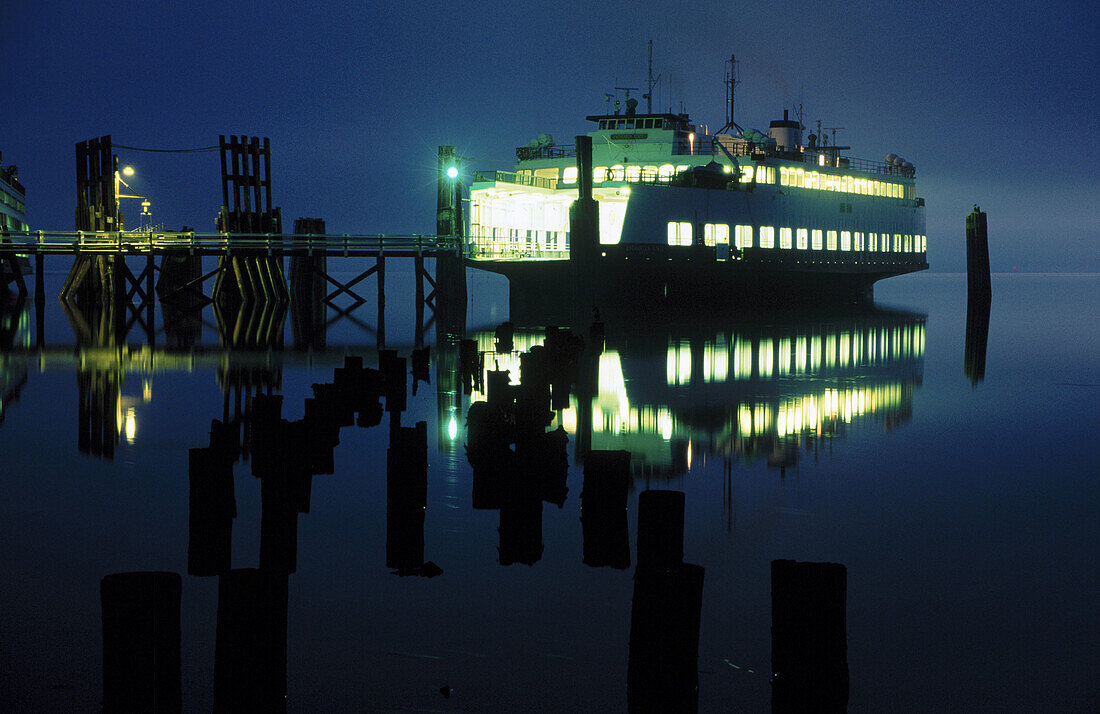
x,y
786,133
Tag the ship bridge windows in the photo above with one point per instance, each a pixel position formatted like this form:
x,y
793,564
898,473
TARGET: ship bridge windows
x,y
872,242
569,175
665,172
830,240
616,173
801,237
785,238
845,240
679,233
633,173
816,235
767,236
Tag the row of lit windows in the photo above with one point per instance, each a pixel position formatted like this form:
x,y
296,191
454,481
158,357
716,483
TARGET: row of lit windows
x,y
819,180
787,176
679,234
12,223
630,174
12,201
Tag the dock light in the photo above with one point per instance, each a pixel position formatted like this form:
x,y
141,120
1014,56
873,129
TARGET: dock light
x,y
452,172
127,170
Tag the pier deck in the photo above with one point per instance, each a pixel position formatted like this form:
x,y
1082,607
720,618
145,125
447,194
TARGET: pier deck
x,y
226,244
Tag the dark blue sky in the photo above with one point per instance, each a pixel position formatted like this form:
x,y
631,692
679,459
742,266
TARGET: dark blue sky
x,y
995,103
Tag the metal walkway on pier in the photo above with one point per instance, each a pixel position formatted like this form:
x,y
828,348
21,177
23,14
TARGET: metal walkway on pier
x,y
227,244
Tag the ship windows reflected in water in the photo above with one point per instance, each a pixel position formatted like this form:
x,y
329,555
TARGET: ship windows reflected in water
x,y
770,384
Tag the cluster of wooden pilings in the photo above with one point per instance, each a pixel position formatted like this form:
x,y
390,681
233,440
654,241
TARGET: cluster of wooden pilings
x,y
141,610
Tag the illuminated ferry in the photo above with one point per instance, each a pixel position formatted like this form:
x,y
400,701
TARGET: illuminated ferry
x,y
739,211
12,218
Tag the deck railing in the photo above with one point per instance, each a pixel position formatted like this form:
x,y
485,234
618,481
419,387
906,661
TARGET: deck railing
x,y
143,242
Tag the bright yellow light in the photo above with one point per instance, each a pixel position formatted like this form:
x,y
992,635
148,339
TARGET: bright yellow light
x,y
131,425
127,170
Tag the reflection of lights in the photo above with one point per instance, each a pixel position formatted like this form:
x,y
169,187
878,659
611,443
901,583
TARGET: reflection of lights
x,y
664,421
452,428
131,425
146,390
569,420
689,456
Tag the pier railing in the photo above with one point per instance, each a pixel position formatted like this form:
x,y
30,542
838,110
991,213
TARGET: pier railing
x,y
190,243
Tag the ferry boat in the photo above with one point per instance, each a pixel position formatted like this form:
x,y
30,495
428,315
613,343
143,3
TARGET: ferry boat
x,y
12,219
735,214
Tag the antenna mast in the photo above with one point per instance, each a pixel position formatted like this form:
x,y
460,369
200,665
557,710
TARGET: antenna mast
x,y
733,78
649,83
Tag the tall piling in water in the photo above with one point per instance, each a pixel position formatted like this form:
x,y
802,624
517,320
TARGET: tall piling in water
x,y
978,296
450,270
307,287
809,637
141,641
977,256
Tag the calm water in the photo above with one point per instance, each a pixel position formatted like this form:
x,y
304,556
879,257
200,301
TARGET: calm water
x,y
963,508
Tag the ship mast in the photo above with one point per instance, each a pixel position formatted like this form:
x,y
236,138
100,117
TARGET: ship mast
x,y
650,82
733,78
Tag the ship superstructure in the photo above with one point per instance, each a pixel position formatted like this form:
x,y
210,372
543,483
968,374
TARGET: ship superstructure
x,y
738,206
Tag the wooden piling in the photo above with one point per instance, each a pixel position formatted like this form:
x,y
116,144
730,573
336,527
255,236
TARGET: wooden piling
x,y
977,256
141,642
809,637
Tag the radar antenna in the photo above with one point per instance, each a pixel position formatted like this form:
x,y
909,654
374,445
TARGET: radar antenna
x,y
628,90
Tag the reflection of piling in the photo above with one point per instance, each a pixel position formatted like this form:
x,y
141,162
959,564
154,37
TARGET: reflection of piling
x,y
250,651
406,496
660,529
663,664
212,508
97,414
603,509
977,337
281,497
520,520
809,637
141,642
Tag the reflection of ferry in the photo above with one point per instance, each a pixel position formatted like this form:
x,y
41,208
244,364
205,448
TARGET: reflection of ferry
x,y
737,209
14,333
749,390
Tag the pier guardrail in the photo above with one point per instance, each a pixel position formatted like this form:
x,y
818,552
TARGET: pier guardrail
x,y
190,243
